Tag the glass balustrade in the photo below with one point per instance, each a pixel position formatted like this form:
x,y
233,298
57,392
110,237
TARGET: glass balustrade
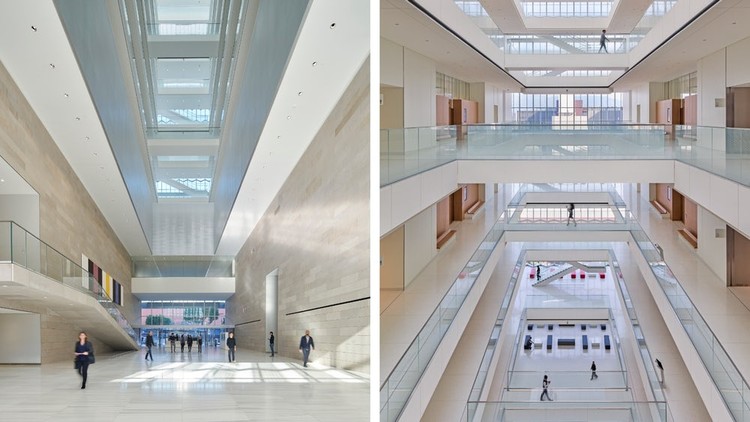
x,y
547,44
511,411
22,248
730,383
396,389
724,152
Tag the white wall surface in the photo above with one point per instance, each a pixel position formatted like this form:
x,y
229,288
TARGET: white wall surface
x,y
711,86
23,209
419,90
391,63
401,200
562,315
22,338
738,63
712,249
206,287
420,234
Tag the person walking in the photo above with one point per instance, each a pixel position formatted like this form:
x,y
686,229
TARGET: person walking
x,y
545,384
149,345
593,371
571,215
603,41
200,343
182,343
271,342
538,272
84,353
306,344
232,346
190,343
172,341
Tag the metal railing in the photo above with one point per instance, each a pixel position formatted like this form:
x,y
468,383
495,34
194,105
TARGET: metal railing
x,y
22,248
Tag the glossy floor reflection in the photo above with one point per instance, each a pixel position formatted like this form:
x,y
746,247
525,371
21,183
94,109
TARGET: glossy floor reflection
x,y
184,387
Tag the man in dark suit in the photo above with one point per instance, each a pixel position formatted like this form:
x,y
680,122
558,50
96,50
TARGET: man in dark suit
x,y
149,345
305,344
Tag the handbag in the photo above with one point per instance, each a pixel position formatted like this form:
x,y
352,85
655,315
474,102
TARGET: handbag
x,y
92,359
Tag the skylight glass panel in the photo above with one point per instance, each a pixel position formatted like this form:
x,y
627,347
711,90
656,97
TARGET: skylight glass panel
x,y
183,10
566,9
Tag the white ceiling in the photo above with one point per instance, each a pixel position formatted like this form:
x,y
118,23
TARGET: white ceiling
x,y
407,26
72,121
295,118
722,25
717,28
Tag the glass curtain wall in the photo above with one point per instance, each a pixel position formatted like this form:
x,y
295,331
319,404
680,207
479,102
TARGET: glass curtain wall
x,y
568,109
183,312
451,87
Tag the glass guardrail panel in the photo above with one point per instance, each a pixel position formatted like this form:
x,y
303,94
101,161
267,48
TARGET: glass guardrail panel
x,y
407,372
580,380
558,410
5,242
717,362
18,246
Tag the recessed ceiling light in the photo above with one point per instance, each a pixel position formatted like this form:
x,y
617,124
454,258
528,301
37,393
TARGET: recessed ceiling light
x,y
299,94
96,154
34,28
333,25
101,167
87,139
289,117
78,118
314,64
278,137
426,40
52,65
2,180
396,24
66,95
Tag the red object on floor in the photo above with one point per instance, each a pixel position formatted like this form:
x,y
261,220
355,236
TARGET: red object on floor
x,y
601,275
583,275
572,275
532,274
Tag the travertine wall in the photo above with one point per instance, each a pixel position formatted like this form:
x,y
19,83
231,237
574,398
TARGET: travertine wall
x,y
58,335
69,219
316,232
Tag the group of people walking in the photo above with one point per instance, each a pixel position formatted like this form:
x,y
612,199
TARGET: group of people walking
x,y
84,350
546,382
173,338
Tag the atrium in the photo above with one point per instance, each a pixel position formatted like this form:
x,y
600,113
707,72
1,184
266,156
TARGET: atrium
x,y
562,234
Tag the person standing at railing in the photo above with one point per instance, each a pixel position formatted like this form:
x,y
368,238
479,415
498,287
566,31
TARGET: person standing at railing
x,y
603,41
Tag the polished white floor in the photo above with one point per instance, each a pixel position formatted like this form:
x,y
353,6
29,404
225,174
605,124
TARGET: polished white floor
x,y
184,387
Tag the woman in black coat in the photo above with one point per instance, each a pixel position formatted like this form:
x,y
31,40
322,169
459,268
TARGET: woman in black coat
x,y
84,353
